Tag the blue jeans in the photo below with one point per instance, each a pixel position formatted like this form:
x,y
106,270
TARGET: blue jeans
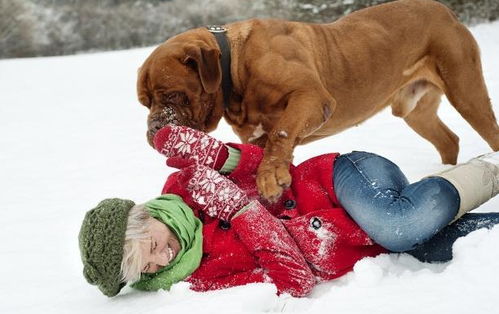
x,y
399,216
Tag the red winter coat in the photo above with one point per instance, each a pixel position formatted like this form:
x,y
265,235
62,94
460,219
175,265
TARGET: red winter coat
x,y
256,246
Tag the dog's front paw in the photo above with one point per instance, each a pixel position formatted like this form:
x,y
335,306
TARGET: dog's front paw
x,y
272,178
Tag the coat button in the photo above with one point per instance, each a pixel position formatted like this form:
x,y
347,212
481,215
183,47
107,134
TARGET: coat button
x,y
290,204
316,223
224,225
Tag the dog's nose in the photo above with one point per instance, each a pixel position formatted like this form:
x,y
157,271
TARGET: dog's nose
x,y
155,125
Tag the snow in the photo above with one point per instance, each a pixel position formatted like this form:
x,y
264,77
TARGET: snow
x,y
73,133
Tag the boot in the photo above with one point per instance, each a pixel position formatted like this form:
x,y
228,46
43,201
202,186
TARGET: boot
x,y
476,181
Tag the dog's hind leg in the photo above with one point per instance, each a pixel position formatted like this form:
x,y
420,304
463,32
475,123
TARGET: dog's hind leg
x,y
459,66
424,120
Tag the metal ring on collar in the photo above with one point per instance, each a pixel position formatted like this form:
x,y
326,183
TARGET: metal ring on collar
x,y
216,28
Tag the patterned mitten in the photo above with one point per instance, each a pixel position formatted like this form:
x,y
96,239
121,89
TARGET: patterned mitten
x,y
185,146
217,196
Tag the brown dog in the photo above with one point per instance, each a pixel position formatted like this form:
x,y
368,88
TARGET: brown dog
x,y
294,83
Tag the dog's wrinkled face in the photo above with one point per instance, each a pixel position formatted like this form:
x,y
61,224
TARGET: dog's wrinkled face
x,y
179,83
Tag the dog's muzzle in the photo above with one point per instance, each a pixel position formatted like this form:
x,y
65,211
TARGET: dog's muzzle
x,y
158,120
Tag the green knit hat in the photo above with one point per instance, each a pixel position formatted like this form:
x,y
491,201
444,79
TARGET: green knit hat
x,y
102,237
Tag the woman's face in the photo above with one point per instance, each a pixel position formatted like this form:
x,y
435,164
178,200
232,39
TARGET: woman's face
x,y
160,249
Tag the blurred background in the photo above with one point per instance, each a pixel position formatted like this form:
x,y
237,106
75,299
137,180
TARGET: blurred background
x,y
31,28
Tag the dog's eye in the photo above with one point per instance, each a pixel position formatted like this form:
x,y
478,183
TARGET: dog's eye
x,y
176,98
191,64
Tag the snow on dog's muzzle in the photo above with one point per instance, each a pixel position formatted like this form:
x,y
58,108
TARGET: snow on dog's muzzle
x,y
157,121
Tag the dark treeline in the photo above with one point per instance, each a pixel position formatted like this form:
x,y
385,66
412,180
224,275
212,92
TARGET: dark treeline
x,y
469,11
56,27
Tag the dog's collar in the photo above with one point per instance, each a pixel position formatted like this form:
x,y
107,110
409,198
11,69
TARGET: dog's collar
x,y
220,35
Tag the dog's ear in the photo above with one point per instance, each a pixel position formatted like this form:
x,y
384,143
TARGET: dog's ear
x,y
142,91
207,62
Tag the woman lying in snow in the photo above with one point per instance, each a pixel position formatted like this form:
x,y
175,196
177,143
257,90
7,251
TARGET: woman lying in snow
x,y
210,228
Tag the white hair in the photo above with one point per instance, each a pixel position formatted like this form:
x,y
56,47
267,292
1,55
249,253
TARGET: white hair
x,y
136,232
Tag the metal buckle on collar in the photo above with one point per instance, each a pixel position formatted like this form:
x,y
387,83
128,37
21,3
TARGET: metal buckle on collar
x,y
216,28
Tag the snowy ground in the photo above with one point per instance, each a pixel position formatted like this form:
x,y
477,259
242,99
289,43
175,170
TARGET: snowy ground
x,y
72,133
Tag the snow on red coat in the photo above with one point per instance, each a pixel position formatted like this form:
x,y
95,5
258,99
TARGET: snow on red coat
x,y
325,242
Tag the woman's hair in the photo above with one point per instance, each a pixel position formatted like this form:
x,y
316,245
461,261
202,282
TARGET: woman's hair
x,y
136,232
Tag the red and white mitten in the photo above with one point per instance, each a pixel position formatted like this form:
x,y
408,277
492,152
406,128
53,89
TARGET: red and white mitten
x,y
217,196
185,146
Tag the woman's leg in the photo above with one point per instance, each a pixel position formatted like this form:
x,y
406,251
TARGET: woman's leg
x,y
476,181
395,214
439,248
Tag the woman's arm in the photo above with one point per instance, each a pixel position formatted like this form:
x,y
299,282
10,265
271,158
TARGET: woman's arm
x,y
206,191
265,236
184,146
213,194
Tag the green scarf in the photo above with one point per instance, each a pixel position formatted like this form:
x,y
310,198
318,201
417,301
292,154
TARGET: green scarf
x,y
172,211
